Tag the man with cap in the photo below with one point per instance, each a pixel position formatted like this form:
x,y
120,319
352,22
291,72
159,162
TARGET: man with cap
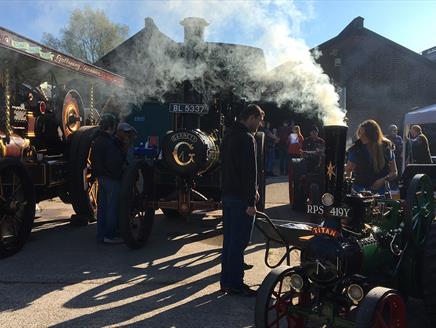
x,y
312,150
107,160
126,134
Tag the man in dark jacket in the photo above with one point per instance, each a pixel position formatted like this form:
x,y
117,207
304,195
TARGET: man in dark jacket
x,y
107,163
239,196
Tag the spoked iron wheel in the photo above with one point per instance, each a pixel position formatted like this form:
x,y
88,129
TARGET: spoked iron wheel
x,y
135,219
381,308
419,209
90,183
275,300
83,186
17,206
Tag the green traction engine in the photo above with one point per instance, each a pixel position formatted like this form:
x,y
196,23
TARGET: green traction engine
x,y
357,267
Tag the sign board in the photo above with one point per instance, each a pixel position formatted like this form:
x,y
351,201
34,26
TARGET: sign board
x,y
181,108
33,49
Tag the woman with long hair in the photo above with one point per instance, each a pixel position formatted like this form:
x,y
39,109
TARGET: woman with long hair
x,y
371,160
295,142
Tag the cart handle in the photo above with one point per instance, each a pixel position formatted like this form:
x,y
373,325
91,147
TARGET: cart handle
x,y
283,241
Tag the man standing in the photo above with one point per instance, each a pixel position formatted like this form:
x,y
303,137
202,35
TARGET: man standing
x,y
126,135
284,132
313,150
397,141
239,196
107,164
420,148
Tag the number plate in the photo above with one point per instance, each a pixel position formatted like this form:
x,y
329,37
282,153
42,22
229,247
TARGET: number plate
x,y
342,212
189,108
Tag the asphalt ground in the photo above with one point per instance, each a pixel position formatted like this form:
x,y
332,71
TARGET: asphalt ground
x,y
63,278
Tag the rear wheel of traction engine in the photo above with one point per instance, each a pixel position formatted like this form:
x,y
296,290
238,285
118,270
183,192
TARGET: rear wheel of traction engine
x,y
275,299
135,220
17,206
419,209
428,272
260,140
83,186
381,307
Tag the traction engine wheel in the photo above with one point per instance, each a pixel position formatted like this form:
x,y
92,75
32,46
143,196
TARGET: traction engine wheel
x,y
83,186
17,206
135,220
381,308
73,114
419,209
275,299
428,278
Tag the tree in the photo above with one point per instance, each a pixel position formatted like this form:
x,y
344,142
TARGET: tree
x,y
89,35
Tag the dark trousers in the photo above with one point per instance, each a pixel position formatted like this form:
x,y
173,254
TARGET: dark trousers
x,y
107,207
237,232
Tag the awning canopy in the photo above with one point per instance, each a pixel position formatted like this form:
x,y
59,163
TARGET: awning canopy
x,y
423,115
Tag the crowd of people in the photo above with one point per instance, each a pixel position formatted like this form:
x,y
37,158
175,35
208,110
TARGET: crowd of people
x,y
373,161
287,142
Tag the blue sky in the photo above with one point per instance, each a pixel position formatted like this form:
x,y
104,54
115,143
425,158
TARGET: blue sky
x,y
409,23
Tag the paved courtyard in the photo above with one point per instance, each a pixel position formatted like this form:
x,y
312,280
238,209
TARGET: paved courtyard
x,y
62,278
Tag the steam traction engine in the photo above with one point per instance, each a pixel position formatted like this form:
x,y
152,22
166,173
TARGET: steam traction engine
x,y
45,99
355,268
185,178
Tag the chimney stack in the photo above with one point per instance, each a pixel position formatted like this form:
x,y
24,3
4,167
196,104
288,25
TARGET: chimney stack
x,y
194,30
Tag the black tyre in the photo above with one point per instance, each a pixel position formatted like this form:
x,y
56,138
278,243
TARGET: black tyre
x,y
17,206
260,140
381,307
83,186
428,278
135,220
419,209
274,298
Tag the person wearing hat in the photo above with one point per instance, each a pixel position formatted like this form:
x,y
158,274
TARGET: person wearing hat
x,y
312,150
126,135
107,160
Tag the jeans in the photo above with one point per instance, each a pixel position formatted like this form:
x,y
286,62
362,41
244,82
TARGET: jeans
x,y
237,232
284,159
107,207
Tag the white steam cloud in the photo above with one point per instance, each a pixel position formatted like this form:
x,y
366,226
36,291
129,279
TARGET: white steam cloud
x,y
292,75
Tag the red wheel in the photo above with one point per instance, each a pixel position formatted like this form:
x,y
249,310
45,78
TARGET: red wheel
x,y
381,308
275,300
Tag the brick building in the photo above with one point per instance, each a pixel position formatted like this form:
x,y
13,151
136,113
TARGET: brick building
x,y
383,80
155,66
